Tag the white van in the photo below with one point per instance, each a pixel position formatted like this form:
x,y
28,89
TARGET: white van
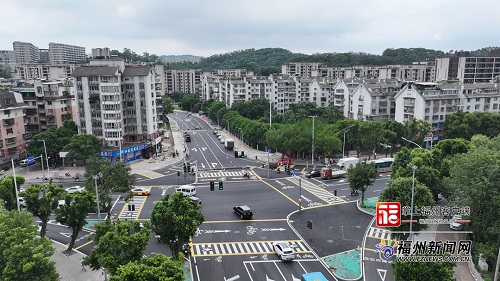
x,y
187,190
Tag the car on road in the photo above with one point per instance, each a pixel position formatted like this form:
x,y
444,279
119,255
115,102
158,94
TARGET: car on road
x,y
313,174
22,202
195,200
243,211
61,203
223,140
284,251
454,225
141,191
197,127
216,132
74,189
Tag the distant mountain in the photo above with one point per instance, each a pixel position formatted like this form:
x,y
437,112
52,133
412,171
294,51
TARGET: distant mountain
x,y
180,58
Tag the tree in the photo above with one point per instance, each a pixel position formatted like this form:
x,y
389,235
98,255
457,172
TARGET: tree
x,y
113,178
429,271
73,213
71,126
399,190
176,221
167,105
8,191
43,207
23,256
83,147
461,125
361,176
156,268
117,244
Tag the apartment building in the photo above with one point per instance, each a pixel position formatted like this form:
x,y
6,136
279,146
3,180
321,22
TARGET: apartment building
x,y
468,69
26,52
63,53
44,71
48,104
183,80
7,59
374,100
44,55
301,69
117,104
12,133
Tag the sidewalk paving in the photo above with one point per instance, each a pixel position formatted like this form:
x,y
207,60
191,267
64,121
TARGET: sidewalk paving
x,y
70,267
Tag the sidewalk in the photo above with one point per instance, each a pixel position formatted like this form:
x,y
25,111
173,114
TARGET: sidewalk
x,y
70,267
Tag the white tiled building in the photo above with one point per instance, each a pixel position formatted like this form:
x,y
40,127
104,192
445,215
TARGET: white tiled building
x,y
26,52
64,53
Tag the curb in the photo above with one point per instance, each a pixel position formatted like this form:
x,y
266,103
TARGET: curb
x,y
360,209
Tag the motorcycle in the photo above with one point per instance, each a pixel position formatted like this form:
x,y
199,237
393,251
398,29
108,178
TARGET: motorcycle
x,y
354,192
68,174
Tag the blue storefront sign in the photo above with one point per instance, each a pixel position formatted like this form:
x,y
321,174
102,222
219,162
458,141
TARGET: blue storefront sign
x,y
128,150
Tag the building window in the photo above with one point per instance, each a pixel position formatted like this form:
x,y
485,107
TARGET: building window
x,y
10,131
476,107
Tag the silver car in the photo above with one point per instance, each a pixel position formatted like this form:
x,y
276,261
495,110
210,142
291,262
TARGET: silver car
x,y
284,251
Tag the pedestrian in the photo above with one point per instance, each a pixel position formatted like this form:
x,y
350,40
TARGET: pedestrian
x,y
255,157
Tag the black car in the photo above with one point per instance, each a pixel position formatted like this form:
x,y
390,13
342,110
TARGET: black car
x,y
313,174
243,211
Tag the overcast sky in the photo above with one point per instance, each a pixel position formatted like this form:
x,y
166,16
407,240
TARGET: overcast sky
x,y
205,28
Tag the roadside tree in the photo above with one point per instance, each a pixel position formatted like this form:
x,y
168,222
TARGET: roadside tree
x,y
117,244
156,268
399,190
167,105
429,271
43,206
8,191
361,176
73,213
83,147
175,220
23,256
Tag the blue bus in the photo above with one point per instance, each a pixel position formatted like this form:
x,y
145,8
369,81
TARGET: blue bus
x,y
314,276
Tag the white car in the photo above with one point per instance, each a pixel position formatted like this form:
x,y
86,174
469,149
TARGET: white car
x,y
74,189
22,202
61,203
456,225
222,140
284,251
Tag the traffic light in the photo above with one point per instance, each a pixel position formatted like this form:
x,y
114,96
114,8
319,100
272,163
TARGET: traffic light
x,y
188,167
221,185
178,173
236,154
185,168
310,224
243,154
212,186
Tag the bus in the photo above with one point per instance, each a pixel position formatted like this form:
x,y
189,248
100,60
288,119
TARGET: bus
x,y
383,165
314,276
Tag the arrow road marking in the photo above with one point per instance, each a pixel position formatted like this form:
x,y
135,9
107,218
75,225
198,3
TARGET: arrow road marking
x,y
203,148
194,149
217,231
68,235
202,166
272,229
214,164
305,198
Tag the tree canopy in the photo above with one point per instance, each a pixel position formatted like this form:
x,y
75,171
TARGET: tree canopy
x,y
156,268
83,147
361,176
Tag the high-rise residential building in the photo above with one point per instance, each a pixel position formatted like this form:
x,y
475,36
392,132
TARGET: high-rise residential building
x,y
44,56
183,80
12,134
8,59
117,104
468,69
63,53
26,52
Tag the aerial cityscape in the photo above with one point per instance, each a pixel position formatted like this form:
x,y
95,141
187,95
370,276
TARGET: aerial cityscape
x,y
277,140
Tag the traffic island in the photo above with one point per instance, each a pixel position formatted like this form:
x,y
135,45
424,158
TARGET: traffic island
x,y
345,265
369,205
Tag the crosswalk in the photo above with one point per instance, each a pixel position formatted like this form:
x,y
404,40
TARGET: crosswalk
x,y
223,174
244,248
149,174
132,209
379,233
320,192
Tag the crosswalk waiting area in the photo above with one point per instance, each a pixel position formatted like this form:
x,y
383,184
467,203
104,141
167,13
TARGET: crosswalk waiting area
x,y
379,233
320,192
243,248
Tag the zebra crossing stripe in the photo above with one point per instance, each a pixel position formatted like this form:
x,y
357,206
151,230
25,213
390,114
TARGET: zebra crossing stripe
x,y
241,248
258,246
264,247
247,249
253,248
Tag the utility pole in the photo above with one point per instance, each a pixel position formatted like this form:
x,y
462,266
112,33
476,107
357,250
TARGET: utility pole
x,y
312,158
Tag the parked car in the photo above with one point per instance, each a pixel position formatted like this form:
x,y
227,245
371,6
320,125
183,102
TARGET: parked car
x,y
313,174
243,211
223,140
61,203
216,132
197,127
284,251
195,200
141,191
74,189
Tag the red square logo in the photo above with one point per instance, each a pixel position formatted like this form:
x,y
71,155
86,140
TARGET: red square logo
x,y
388,214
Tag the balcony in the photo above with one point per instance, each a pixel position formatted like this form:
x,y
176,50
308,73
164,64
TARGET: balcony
x,y
9,122
27,136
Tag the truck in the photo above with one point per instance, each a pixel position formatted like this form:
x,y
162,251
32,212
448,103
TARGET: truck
x,y
229,144
340,170
187,137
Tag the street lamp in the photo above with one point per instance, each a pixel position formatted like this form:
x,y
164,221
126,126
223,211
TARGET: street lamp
x,y
96,177
411,142
312,160
15,184
343,144
412,196
46,157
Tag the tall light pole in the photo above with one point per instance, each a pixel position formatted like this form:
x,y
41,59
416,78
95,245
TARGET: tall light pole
x,y
96,177
312,160
46,158
411,142
270,111
15,185
412,196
